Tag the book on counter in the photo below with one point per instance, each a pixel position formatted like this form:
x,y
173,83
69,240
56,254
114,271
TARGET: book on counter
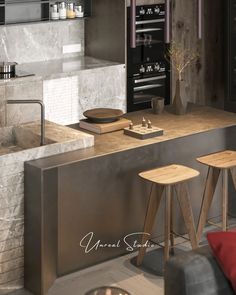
x,y
101,128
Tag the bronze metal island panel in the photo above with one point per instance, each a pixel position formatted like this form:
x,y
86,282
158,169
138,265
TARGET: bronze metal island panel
x,y
102,195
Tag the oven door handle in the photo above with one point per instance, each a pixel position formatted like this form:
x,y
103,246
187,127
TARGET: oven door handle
x,y
167,21
199,26
149,79
154,21
146,87
133,23
149,30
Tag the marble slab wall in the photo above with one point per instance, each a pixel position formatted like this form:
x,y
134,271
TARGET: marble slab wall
x,y
67,98
12,197
40,41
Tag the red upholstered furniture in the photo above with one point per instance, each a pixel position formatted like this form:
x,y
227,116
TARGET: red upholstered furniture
x,y
223,245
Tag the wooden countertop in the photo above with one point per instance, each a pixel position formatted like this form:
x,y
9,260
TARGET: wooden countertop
x,y
198,119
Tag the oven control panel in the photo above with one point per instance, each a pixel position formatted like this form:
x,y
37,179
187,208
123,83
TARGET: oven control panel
x,y
149,68
157,10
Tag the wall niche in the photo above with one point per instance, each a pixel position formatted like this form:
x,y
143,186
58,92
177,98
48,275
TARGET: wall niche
x,y
27,11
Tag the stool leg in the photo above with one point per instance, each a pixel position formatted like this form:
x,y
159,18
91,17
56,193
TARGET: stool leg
x,y
225,200
167,223
186,209
153,205
172,238
233,174
210,186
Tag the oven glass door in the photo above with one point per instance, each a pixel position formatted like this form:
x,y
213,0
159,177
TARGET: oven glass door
x,y
150,44
144,89
149,32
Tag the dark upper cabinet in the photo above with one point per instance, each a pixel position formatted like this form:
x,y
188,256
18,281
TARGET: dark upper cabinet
x,y
105,31
230,101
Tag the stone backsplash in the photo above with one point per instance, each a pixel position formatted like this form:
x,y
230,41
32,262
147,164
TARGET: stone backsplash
x,y
40,41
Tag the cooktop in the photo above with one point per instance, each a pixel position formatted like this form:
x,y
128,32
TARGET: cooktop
x,y
17,74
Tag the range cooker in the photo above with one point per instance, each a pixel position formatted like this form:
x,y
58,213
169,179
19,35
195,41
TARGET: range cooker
x,y
9,70
17,74
148,72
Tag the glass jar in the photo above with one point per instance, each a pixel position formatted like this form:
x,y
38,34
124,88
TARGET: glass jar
x,y
79,11
62,10
70,12
54,12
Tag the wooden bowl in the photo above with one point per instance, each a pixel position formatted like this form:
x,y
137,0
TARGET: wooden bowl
x,y
103,115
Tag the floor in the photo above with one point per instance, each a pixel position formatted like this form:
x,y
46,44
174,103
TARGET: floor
x,y
117,272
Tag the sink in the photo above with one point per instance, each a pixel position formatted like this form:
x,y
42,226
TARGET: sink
x,y
15,139
27,136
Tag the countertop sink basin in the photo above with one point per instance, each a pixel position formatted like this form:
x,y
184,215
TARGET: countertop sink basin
x,y
27,136
18,138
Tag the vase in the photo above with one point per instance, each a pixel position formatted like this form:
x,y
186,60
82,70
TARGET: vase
x,y
180,103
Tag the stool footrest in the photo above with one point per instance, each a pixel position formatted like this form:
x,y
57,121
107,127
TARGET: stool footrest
x,y
219,224
175,234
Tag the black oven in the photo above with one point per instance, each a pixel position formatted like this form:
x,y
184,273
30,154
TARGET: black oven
x,y
147,81
147,67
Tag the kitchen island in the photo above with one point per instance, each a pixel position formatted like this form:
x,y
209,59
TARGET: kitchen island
x,y
96,191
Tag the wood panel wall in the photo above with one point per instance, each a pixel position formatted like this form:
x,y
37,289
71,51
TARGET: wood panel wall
x,y
205,78
214,50
184,33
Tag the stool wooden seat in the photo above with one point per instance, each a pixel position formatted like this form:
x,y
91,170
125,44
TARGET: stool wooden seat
x,y
169,175
218,163
222,160
166,178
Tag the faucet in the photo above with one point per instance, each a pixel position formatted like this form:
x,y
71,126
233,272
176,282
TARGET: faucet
x,y
33,101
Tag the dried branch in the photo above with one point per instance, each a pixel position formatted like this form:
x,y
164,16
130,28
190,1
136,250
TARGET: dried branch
x,y
180,58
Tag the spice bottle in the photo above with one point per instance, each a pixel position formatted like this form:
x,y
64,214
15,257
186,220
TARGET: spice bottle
x,y
79,11
54,12
70,13
62,10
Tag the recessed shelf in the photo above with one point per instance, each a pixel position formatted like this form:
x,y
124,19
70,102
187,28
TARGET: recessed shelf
x,y
32,11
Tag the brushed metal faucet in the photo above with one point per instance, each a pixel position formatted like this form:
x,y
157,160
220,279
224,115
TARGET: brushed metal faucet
x,y
33,101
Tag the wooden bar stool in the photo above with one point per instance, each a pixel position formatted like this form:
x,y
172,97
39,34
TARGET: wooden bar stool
x,y
221,162
166,178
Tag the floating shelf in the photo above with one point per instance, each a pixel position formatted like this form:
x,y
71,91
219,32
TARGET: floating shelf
x,y
29,11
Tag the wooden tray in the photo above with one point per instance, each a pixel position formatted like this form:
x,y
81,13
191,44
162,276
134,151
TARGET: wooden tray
x,y
101,128
141,132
